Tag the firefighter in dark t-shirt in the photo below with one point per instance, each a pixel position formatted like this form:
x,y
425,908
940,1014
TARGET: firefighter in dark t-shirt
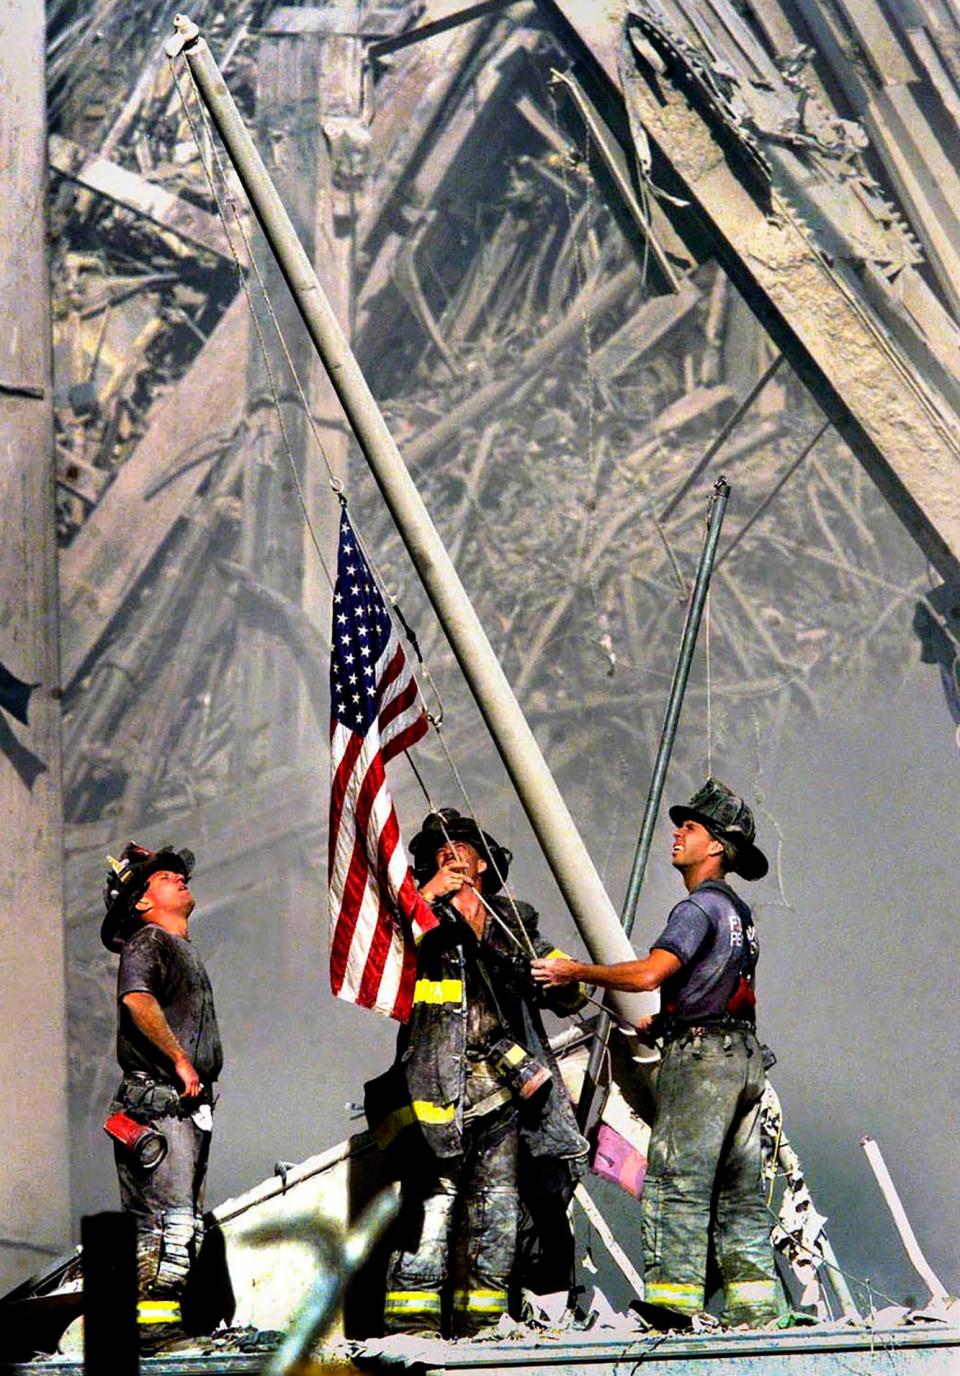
x,y
169,1051
702,1192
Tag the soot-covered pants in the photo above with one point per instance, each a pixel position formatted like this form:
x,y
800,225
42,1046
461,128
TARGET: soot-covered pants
x,y
167,1204
703,1183
458,1235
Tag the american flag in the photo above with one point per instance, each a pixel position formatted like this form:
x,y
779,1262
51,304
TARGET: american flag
x,y
376,913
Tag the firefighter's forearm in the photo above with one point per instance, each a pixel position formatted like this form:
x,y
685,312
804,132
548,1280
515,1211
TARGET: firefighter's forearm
x,y
629,976
149,1019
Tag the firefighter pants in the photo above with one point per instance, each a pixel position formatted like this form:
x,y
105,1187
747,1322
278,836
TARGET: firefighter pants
x,y
702,1195
167,1205
458,1235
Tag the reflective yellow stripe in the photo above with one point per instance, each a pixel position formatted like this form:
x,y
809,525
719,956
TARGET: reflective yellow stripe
x,y
420,1111
412,1302
675,1295
481,1301
158,1311
438,991
749,1291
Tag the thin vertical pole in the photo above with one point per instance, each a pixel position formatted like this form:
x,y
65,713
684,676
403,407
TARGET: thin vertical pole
x,y
688,643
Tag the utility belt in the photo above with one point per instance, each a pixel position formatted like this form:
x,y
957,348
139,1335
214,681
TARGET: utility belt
x,y
143,1096
671,1028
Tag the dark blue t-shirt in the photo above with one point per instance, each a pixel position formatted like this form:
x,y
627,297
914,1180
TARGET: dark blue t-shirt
x,y
154,961
707,931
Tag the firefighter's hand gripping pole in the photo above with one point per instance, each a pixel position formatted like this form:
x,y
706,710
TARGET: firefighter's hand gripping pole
x,y
559,839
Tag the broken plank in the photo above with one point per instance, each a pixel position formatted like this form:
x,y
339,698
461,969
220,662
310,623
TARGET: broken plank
x,y
100,569
282,805
143,197
651,325
464,14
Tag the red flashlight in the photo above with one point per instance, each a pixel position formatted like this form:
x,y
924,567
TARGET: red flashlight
x,y
147,1145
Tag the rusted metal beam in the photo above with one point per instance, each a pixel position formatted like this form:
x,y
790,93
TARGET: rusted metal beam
x,y
903,432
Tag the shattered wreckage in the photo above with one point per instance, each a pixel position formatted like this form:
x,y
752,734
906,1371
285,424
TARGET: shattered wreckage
x,y
743,215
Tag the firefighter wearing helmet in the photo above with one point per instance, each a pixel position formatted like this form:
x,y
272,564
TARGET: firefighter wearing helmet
x,y
702,1192
169,1051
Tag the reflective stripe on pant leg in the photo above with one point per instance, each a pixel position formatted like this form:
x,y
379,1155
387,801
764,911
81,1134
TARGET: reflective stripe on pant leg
x,y
686,1299
158,1311
417,1269
487,1304
757,1301
410,1303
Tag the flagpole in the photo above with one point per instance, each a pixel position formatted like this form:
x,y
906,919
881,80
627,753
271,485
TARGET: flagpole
x,y
668,734
536,788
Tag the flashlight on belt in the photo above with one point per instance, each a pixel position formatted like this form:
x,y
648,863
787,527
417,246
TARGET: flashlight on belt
x,y
147,1146
520,1071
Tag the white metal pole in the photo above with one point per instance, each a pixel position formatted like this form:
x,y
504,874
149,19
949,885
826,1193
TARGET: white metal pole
x,y
536,788
907,1236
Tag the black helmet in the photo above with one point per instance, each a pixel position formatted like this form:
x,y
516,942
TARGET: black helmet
x,y
127,879
728,818
447,824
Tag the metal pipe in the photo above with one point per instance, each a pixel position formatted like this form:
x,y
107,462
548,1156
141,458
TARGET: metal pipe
x,y
724,433
668,734
681,675
907,1236
562,845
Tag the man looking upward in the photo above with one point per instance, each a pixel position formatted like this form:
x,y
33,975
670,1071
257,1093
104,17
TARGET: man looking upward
x,y
702,1193
168,1046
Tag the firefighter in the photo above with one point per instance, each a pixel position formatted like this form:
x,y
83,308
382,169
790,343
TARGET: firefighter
x,y
169,1051
702,1193
473,1105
